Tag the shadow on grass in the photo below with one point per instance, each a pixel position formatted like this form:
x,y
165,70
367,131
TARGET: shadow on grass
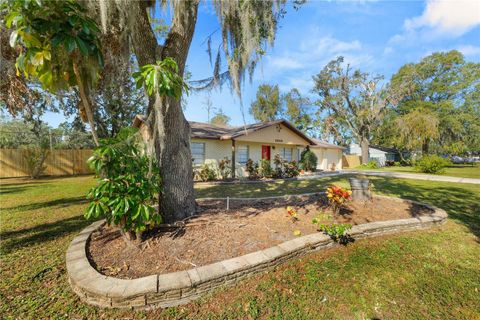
x,y
460,203
15,189
12,240
267,189
60,203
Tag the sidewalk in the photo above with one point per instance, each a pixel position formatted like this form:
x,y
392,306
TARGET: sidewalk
x,y
417,176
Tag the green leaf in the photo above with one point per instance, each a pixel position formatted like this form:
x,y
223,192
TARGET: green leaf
x,y
70,44
83,46
37,59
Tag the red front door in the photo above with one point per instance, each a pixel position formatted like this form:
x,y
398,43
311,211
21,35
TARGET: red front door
x,y
266,152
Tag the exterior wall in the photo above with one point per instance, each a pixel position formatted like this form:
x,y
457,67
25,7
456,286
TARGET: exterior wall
x,y
216,150
374,154
327,157
278,134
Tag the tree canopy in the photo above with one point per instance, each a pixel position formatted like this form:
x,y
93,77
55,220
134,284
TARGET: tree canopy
x,y
220,118
444,87
267,105
355,98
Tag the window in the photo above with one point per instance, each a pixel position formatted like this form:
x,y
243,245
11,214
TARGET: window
x,y
242,152
287,154
198,152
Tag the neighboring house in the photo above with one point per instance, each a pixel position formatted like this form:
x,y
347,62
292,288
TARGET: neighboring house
x,y
211,143
377,153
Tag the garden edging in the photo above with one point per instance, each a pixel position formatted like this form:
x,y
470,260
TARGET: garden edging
x,y
181,287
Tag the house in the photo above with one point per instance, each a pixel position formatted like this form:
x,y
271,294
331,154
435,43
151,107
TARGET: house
x,y
377,153
211,143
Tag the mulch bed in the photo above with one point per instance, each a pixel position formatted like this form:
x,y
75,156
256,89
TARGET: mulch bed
x,y
216,234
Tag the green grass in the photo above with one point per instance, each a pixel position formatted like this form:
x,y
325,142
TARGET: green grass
x,y
460,170
431,274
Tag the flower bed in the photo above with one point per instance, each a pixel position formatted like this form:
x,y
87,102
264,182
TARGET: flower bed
x,y
172,288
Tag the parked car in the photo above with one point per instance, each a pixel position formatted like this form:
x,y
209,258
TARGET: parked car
x,y
457,160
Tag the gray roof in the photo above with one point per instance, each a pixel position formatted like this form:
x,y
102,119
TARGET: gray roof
x,y
202,130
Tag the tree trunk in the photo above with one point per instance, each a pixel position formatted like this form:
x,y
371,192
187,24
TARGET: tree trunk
x,y
171,131
86,103
365,145
425,146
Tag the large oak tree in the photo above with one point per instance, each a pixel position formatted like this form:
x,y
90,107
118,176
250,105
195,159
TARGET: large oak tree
x,y
356,99
246,28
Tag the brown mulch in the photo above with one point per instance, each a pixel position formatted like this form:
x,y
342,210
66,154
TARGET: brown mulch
x,y
216,234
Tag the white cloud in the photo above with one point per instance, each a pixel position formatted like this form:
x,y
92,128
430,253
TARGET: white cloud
x,y
452,17
294,67
388,50
469,50
286,62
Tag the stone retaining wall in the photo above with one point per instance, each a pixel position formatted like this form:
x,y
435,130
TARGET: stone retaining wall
x,y
181,287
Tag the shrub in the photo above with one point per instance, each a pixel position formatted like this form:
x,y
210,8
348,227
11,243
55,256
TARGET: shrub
x,y
291,169
35,159
337,196
336,231
389,163
372,164
127,185
431,164
278,162
252,169
207,172
266,170
308,160
224,168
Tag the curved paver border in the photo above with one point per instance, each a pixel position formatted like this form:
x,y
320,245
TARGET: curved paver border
x,y
181,287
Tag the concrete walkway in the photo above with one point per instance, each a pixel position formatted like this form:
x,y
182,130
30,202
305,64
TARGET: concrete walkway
x,y
417,176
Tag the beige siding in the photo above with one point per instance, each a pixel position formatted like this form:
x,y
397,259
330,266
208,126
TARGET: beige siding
x,y
216,150
278,134
327,157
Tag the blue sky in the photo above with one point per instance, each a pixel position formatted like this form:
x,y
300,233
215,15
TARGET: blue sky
x,y
375,36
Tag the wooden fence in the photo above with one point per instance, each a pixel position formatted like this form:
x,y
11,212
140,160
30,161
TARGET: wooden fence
x,y
351,161
59,162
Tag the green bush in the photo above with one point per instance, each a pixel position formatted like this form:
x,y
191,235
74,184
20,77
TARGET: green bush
x,y
252,169
224,168
308,160
372,164
266,170
291,169
127,185
35,159
431,164
207,172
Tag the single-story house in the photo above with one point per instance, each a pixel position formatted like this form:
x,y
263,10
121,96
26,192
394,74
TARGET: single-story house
x,y
377,153
211,143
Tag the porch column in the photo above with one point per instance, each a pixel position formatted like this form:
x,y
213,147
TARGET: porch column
x,y
233,159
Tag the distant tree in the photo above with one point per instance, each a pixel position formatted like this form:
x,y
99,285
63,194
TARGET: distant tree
x,y
74,135
444,86
220,118
355,99
267,105
116,104
208,106
297,110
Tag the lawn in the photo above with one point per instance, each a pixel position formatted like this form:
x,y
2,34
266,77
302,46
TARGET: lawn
x,y
432,274
456,170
